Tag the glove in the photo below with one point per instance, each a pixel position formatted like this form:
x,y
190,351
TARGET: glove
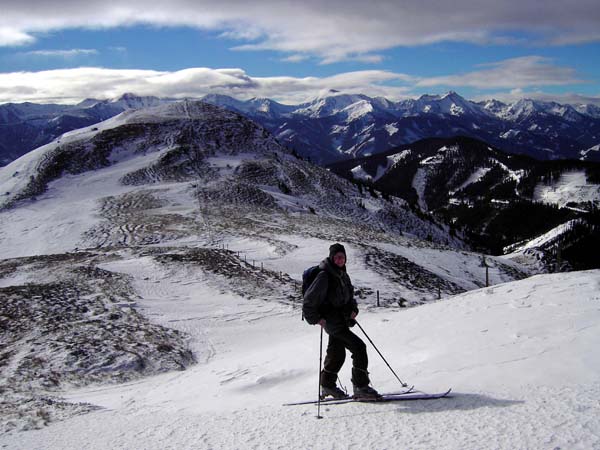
x,y
350,322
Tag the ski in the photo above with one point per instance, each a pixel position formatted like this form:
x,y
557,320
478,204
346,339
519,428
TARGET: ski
x,y
387,397
329,400
395,398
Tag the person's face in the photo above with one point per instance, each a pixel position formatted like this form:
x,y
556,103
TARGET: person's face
x,y
339,259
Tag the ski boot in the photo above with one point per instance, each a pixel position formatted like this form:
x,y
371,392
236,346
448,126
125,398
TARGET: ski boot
x,y
335,392
366,394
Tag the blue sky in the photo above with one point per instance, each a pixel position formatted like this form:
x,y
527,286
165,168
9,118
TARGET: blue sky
x,y
292,52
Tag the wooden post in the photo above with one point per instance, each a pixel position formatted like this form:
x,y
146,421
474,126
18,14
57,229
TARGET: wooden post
x,y
487,274
439,291
377,298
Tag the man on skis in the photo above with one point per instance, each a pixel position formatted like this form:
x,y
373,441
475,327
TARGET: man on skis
x,y
329,302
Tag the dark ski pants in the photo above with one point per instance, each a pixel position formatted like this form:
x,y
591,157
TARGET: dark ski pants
x,y
336,355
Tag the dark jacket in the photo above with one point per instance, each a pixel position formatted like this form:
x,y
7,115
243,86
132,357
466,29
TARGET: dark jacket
x,y
330,297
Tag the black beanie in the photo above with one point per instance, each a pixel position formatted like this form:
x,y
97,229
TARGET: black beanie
x,y
336,248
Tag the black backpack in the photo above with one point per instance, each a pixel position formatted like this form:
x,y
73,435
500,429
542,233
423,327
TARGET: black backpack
x,y
308,276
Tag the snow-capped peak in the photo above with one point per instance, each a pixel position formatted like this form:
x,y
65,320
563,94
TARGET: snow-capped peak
x,y
448,104
567,112
331,105
493,106
522,109
132,101
588,110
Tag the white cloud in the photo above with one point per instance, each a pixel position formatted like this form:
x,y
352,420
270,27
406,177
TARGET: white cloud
x,y
73,85
512,73
295,58
13,37
334,30
67,54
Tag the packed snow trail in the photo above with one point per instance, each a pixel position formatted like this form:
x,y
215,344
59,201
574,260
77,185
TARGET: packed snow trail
x,y
522,358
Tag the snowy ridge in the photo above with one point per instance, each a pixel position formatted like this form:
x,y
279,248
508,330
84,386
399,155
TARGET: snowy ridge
x,y
543,240
337,127
123,137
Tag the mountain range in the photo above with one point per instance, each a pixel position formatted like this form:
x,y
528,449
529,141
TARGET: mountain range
x,y
343,126
340,126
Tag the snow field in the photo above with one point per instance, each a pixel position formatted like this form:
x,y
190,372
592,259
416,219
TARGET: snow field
x,y
521,358
570,187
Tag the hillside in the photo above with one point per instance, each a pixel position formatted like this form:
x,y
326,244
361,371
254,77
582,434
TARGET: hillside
x,y
498,201
219,157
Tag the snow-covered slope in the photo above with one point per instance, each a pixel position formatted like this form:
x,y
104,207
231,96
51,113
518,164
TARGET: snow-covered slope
x,y
521,358
219,157
571,186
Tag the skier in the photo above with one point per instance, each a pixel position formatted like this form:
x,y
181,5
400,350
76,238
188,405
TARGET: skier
x,y
329,302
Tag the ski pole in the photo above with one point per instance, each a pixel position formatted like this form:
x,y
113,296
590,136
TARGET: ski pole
x,y
320,363
375,347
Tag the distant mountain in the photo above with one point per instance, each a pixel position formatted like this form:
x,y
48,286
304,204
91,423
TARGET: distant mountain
x,y
340,126
499,201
